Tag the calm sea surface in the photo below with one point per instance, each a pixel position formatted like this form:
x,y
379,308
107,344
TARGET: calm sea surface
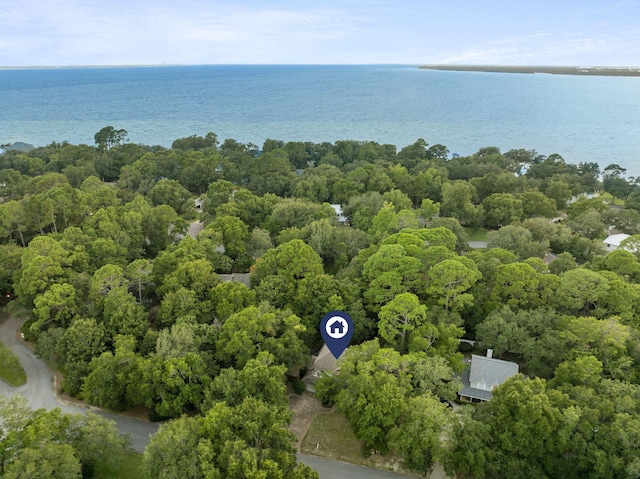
x,y
581,118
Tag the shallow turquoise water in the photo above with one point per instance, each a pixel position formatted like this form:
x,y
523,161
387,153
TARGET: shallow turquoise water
x,y
581,118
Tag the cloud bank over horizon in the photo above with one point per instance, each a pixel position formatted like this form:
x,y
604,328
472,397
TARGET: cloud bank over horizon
x,y
142,32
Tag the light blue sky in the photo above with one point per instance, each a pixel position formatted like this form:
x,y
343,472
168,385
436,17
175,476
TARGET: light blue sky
x,y
116,32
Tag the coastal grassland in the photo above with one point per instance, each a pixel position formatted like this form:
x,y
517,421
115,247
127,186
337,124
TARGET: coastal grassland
x,y
330,436
129,468
476,234
612,200
11,370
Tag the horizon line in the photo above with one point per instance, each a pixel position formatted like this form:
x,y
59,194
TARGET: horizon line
x,y
417,64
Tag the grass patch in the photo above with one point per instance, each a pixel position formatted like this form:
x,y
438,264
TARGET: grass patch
x,y
612,199
330,436
10,368
476,234
129,468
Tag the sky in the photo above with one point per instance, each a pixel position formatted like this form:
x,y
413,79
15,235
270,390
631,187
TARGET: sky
x,y
188,32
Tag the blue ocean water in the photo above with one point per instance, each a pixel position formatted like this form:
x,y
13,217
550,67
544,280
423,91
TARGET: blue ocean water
x,y
595,119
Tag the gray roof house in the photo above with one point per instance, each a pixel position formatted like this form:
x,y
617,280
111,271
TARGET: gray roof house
x,y
324,362
612,242
485,374
342,219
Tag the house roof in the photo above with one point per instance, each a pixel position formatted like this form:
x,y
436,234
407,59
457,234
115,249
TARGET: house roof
x,y
616,239
338,209
325,360
489,371
474,393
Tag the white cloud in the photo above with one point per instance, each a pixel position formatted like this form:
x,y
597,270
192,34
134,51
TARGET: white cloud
x,y
84,32
551,47
177,32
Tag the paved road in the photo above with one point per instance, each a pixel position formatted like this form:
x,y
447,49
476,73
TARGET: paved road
x,y
39,392
342,470
39,389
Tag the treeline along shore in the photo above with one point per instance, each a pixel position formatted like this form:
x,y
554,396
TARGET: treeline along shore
x,y
554,70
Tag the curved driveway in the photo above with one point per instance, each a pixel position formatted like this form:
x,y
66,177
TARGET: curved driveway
x,y
39,392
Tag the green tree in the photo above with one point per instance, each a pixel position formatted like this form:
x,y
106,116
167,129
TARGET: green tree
x,y
373,396
626,220
252,330
501,209
258,243
97,442
271,172
247,440
49,444
43,264
614,182
564,262
229,298
40,213
292,261
123,314
449,283
588,224
296,213
181,304
58,306
313,188
519,240
399,318
172,193
10,254
361,208
140,176
138,273
260,378
111,375
48,461
559,191
172,452
195,142
428,184
605,339
99,195
108,137
417,438
534,335
516,285
82,341
13,220
234,232
457,202
536,203
581,290
583,205
195,274
171,386
389,272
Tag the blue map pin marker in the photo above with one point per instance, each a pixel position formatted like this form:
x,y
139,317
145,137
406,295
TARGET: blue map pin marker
x,y
336,329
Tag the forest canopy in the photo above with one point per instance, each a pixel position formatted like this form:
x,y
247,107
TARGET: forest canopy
x,y
121,254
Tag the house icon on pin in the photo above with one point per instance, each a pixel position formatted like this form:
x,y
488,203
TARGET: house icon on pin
x,y
337,327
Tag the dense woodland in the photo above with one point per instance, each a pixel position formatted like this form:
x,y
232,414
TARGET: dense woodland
x,y
131,308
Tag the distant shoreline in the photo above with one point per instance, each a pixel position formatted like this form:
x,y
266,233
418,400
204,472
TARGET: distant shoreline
x,y
66,67
553,70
